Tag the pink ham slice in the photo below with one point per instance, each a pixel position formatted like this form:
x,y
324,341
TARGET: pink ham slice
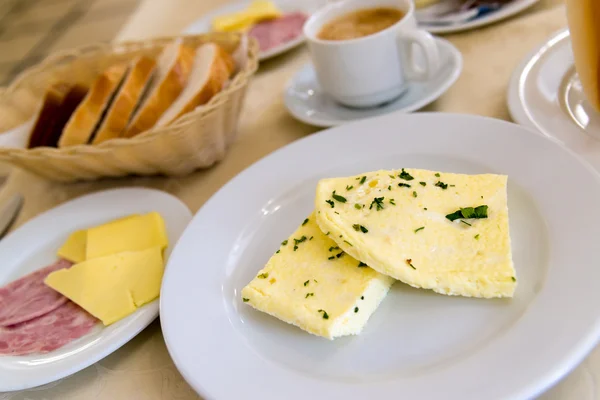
x,y
28,297
49,332
278,31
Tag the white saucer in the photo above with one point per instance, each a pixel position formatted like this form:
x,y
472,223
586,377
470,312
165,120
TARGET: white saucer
x,y
545,93
306,101
203,24
513,8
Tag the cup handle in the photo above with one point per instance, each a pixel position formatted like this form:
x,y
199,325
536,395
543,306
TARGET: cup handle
x,y
426,42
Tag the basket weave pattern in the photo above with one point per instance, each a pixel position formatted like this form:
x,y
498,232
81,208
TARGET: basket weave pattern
x,y
196,140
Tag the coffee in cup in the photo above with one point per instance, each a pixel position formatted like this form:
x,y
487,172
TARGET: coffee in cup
x,y
360,23
363,56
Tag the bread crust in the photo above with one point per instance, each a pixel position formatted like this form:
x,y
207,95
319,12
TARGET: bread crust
x,y
123,105
72,99
88,114
165,93
45,120
221,69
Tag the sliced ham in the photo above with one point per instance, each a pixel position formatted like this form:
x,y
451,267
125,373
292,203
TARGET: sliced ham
x,y
275,32
28,297
49,332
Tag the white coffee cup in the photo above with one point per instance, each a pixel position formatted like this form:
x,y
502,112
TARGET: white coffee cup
x,y
370,70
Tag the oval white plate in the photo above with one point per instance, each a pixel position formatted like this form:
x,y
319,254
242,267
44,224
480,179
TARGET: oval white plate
x,y
204,24
545,94
417,343
306,101
34,246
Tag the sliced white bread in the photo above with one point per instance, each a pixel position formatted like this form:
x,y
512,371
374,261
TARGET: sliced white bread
x,y
91,110
212,68
118,114
172,71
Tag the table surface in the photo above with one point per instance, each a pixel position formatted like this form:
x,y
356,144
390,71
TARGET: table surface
x,y
142,369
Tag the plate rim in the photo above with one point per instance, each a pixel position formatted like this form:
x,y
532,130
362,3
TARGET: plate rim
x,y
120,340
516,106
544,381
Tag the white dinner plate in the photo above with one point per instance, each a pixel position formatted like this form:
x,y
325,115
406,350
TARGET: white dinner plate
x,y
34,245
545,93
427,22
417,345
204,24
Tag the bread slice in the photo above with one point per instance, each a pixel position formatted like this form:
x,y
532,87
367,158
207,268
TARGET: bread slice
x,y
212,68
89,113
137,79
46,116
172,71
72,99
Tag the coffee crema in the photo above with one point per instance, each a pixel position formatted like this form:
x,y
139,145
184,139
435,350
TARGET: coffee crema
x,y
360,23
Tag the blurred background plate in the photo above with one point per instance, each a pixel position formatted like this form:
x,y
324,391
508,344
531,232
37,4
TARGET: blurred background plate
x,y
454,22
204,23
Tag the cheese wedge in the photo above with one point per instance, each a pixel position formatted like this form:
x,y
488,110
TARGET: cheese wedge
x,y
74,248
258,10
112,287
396,222
312,284
134,233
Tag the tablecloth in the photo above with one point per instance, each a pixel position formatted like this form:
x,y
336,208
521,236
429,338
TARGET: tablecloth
x,y
142,369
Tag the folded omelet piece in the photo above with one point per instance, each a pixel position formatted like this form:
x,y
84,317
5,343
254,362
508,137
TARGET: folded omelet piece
x,y
440,231
311,283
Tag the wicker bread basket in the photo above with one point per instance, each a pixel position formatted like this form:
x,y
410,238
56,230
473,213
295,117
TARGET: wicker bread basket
x,y
198,139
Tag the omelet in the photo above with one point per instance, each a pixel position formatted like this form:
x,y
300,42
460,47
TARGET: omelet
x,y
432,230
311,283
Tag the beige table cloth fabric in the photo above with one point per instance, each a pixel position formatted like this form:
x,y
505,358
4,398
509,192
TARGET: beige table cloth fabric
x,y
142,369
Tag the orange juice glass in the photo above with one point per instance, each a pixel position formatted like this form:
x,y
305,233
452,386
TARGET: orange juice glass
x,y
583,17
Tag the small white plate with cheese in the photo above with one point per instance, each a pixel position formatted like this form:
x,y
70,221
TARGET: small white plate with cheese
x,y
236,11
418,343
34,245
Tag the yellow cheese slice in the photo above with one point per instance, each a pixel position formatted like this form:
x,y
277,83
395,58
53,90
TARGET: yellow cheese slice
x,y
112,287
74,248
139,232
240,21
309,282
395,221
